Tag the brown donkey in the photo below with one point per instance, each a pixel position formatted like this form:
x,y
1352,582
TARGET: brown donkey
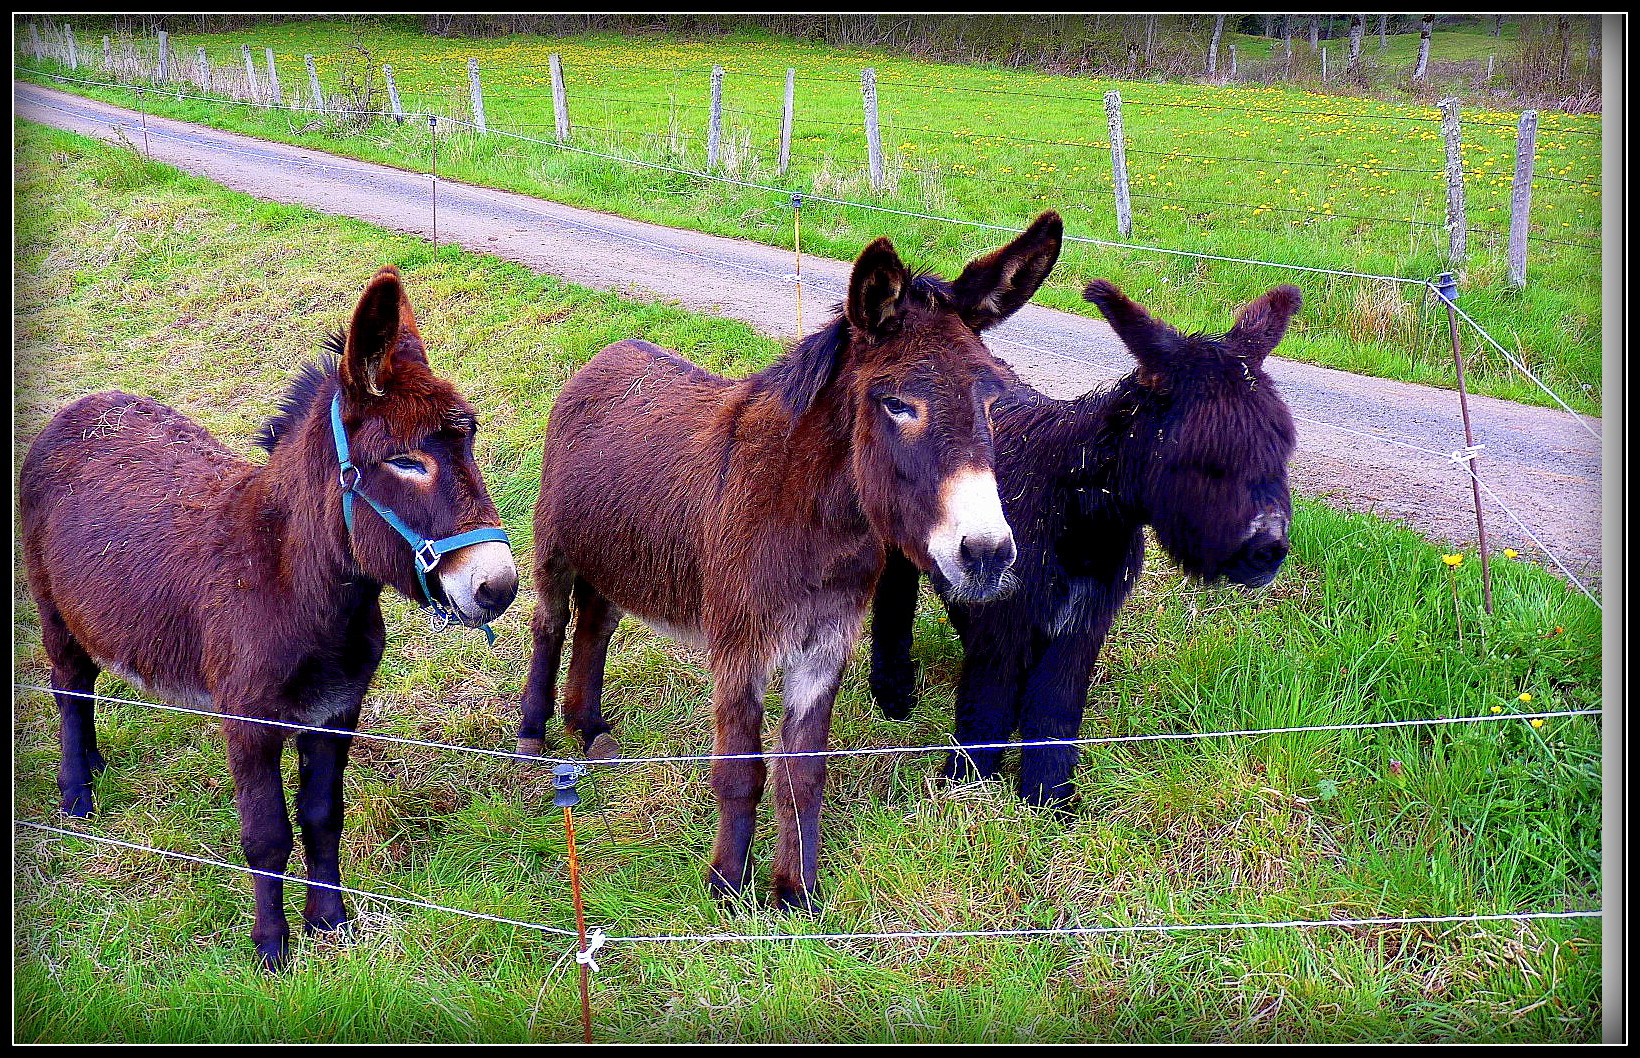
x,y
156,553
750,517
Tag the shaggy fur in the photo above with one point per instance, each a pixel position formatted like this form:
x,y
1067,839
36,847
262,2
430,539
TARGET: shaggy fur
x,y
751,517
156,553
1194,442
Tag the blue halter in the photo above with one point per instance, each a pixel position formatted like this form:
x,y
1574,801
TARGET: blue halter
x,y
427,552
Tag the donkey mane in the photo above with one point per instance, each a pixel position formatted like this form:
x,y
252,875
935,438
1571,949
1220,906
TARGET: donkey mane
x,y
799,376
303,393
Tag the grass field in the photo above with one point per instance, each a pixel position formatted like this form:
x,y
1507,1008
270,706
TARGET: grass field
x,y
131,275
1263,173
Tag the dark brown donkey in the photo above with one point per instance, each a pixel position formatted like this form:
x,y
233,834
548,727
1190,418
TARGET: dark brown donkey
x,y
156,553
750,517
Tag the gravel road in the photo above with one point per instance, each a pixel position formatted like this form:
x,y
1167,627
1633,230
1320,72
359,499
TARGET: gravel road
x,y
1364,443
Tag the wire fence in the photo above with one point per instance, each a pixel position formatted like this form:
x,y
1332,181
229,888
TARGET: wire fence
x,y
512,94
786,192
602,935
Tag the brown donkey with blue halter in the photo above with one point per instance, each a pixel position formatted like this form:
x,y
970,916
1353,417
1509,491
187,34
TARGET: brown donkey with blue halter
x,y
209,581
751,517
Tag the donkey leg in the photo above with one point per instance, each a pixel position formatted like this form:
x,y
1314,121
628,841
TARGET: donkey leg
x,y
323,758
737,785
72,670
264,830
893,609
811,682
987,709
595,621
1055,695
553,577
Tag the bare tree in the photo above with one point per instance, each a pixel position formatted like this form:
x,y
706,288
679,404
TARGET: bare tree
x,y
1213,48
1423,48
1358,28
1383,32
1315,33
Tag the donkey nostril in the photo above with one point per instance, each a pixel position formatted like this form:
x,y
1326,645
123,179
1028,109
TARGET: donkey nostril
x,y
496,592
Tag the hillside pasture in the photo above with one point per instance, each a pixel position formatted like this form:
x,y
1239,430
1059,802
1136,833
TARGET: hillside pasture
x,y
1250,172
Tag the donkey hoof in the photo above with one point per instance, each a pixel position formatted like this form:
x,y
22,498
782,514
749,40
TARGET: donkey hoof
x,y
338,926
604,747
78,804
791,898
274,955
724,892
532,747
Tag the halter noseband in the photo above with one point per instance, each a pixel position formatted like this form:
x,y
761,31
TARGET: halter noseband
x,y
427,552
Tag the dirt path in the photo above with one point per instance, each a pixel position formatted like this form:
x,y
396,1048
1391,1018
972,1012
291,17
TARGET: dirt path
x,y
1543,465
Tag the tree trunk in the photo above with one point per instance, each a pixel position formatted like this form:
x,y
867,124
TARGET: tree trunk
x,y
1497,25
1213,48
1594,47
1315,34
1358,29
1383,32
1563,30
1423,48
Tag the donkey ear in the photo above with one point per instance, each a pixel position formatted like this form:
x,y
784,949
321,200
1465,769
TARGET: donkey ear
x,y
382,336
1151,341
876,289
1260,326
996,286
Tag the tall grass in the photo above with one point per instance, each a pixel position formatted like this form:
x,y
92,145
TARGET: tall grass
x,y
1256,172
132,275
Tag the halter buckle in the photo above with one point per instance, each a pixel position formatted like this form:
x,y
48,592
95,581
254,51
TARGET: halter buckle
x,y
427,556
349,468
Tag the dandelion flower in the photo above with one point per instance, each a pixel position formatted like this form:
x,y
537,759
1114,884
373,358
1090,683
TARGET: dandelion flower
x,y
1510,552
1525,697
1497,709
1537,723
1452,560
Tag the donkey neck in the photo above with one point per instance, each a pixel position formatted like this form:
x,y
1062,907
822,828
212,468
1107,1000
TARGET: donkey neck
x,y
295,505
1106,452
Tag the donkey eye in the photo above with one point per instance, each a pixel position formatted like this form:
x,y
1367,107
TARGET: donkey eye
x,y
899,409
406,464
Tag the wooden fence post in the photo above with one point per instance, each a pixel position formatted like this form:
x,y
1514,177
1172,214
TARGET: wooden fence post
x,y
1232,62
1323,62
714,125
34,41
313,83
1118,163
393,94
202,71
274,91
786,123
1456,223
560,101
108,54
478,95
1520,198
874,141
250,75
164,56
73,48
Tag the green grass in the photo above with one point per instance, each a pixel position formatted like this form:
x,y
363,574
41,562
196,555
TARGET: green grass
x,y
1264,173
134,276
